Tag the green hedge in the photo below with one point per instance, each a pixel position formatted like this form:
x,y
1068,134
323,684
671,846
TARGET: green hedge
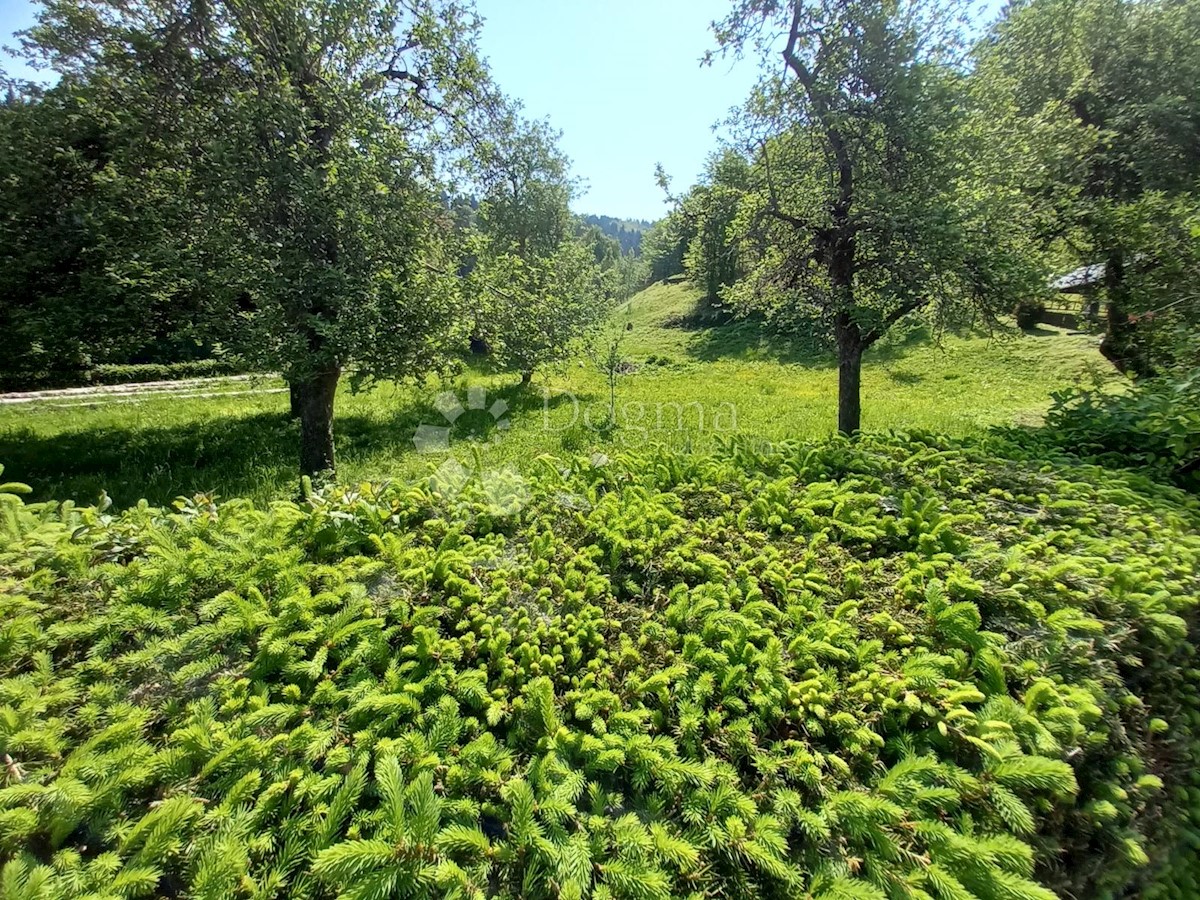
x,y
120,374
134,372
892,668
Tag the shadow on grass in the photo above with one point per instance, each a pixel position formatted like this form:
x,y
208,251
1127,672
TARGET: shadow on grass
x,y
253,456
748,339
1041,331
752,339
899,376
900,342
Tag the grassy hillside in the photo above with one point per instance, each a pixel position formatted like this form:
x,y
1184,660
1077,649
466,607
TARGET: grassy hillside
x,y
687,387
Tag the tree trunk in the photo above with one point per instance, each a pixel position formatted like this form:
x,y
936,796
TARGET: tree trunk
x,y
526,377
294,399
846,331
612,398
316,421
850,351
1120,345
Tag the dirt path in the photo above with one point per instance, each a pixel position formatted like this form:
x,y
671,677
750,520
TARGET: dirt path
x,y
197,388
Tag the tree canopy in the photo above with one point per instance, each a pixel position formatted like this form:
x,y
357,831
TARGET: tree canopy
x,y
304,148
1104,91
874,192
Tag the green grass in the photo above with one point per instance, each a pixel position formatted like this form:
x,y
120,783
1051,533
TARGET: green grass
x,y
688,388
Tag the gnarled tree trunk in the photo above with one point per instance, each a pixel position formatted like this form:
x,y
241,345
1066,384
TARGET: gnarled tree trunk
x,y
846,331
850,353
316,395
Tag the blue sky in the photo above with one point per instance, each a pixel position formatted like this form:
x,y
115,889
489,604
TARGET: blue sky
x,y
620,78
14,16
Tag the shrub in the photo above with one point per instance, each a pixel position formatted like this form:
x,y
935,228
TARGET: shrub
x,y
1029,314
894,667
123,373
134,372
1155,426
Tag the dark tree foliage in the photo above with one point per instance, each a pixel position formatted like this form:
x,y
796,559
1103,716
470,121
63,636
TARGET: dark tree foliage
x,y
1106,90
309,134
91,271
627,232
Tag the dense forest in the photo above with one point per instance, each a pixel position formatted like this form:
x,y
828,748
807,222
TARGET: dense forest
x,y
628,232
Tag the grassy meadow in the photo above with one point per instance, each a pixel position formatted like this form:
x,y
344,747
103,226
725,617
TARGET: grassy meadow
x,y
686,387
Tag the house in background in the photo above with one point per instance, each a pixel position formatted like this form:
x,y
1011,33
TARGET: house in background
x,y
1086,282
